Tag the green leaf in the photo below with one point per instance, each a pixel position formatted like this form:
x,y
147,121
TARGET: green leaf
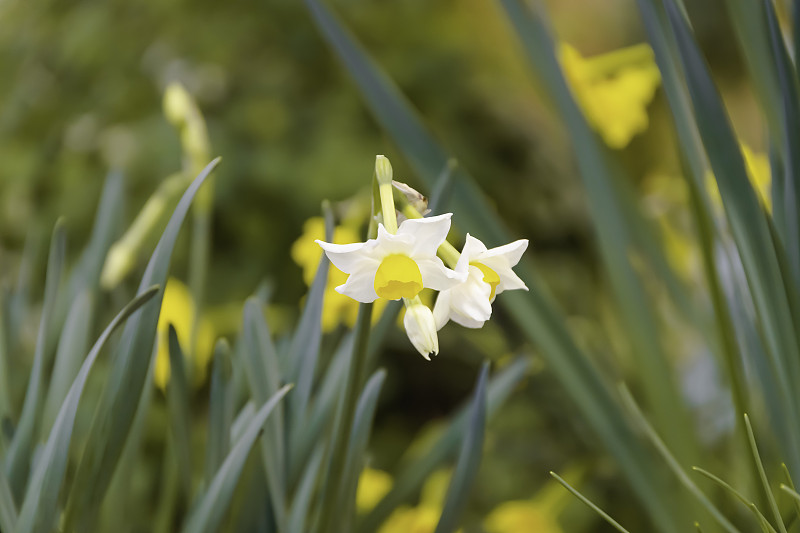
x,y
412,476
72,347
762,520
18,457
673,463
322,407
789,197
605,516
301,504
469,458
747,221
263,375
305,347
86,273
179,412
210,510
8,509
773,505
40,506
120,398
357,445
220,407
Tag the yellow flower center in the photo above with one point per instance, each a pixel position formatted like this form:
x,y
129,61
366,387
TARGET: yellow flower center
x,y
397,277
489,276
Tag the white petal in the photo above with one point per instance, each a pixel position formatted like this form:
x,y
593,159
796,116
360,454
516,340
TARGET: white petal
x,y
387,243
429,233
465,321
436,276
360,285
512,253
348,257
441,310
509,281
471,298
472,247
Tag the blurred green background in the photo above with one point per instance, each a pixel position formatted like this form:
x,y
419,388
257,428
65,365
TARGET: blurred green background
x,y
81,85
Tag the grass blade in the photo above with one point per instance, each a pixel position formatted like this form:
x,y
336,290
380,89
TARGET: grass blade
x,y
220,406
179,413
18,456
305,347
301,504
8,509
39,508
263,375
746,218
117,407
357,445
413,475
469,458
766,527
673,463
210,510
72,347
591,505
773,505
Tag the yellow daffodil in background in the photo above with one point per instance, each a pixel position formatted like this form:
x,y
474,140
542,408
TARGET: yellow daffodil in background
x,y
178,309
613,89
373,485
757,166
536,515
424,517
337,308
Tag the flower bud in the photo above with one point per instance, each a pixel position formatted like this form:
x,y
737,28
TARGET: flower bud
x,y
421,328
383,170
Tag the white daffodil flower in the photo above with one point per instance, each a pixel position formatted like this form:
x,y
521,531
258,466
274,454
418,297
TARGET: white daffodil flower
x,y
395,266
421,328
488,274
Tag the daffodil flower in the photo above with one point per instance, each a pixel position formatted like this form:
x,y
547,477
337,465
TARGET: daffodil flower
x,y
488,273
395,266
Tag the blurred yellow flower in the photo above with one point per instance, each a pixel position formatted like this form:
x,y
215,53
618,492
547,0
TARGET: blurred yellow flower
x,y
536,515
424,517
336,308
373,485
757,166
613,89
178,309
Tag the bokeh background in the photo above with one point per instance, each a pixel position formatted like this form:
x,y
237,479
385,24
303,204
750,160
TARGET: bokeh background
x,y
81,87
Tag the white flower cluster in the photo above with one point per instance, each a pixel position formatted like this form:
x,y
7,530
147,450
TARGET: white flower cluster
x,y
399,264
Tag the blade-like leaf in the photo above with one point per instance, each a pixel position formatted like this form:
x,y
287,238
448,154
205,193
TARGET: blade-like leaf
x,y
38,513
305,347
589,503
72,347
178,406
469,458
220,407
357,446
86,273
301,504
766,527
747,221
117,406
413,475
19,452
8,509
211,508
263,375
